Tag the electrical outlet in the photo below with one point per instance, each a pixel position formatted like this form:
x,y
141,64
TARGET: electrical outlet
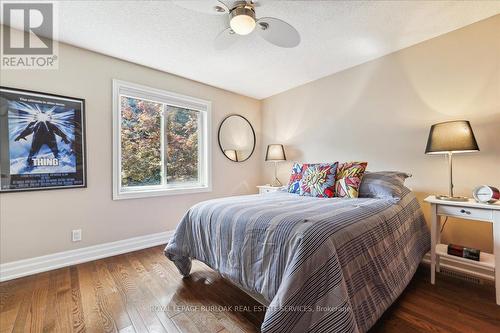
x,y
76,235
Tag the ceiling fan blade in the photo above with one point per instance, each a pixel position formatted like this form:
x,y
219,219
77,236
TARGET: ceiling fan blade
x,y
277,32
225,39
204,6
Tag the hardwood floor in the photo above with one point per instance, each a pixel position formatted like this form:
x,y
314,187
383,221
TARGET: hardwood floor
x,y
143,292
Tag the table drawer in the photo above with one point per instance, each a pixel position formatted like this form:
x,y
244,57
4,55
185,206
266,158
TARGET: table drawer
x,y
465,212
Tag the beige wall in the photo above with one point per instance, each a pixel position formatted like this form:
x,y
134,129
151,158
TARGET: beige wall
x,y
38,223
381,112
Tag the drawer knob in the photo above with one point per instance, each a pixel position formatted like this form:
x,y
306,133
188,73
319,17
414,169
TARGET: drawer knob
x,y
463,211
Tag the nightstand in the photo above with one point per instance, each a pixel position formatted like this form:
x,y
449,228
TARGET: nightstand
x,y
472,211
267,188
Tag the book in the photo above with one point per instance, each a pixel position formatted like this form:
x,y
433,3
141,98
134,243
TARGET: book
x,y
464,252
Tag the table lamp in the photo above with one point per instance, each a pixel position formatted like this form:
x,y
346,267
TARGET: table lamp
x,y
275,153
450,138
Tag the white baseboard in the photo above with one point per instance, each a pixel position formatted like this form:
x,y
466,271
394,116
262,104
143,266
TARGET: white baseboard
x,y
16,269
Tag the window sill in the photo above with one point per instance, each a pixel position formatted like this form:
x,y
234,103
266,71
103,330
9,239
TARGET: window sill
x,y
117,195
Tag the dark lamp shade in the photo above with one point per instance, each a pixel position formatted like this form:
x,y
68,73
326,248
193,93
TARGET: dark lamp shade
x,y
451,136
275,152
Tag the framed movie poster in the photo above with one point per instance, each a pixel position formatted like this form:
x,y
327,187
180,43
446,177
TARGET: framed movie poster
x,y
42,141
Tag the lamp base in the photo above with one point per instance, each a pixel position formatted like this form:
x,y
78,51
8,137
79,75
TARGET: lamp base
x,y
276,183
448,198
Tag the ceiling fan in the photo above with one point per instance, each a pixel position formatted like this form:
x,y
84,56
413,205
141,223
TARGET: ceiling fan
x,y
243,21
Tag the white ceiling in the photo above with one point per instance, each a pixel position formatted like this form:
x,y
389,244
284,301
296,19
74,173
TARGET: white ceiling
x,y
335,35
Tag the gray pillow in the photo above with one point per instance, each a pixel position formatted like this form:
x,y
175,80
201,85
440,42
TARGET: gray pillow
x,y
383,184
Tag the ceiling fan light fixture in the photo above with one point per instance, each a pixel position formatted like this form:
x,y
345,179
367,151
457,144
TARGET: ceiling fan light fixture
x,y
242,20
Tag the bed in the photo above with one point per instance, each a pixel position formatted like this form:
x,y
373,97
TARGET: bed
x,y
320,264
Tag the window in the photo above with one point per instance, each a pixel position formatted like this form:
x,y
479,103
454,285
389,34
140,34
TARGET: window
x,y
161,142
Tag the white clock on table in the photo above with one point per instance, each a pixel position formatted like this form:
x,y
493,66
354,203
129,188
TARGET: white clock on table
x,y
486,194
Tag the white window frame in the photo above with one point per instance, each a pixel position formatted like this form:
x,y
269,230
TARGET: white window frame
x,y
204,146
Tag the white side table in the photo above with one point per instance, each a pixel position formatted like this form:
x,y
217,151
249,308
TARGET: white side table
x,y
469,210
267,188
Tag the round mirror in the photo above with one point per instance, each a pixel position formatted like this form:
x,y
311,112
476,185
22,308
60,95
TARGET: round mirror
x,y
236,138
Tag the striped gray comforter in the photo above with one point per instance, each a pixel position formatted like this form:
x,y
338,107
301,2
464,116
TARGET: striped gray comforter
x,y
324,265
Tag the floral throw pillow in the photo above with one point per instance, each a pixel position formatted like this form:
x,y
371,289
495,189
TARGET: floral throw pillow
x,y
348,179
296,176
318,180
